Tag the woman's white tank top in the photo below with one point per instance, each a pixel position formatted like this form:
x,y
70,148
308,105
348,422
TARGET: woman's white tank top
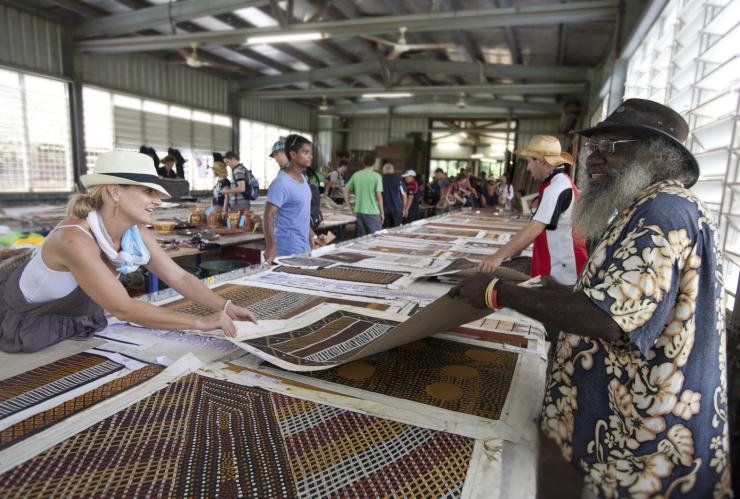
x,y
40,284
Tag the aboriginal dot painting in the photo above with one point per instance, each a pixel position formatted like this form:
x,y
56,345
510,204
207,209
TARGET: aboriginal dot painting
x,y
202,437
441,373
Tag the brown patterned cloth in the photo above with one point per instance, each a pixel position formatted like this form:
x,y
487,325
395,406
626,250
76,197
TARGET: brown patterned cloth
x,y
267,303
344,273
441,373
46,419
330,340
33,387
202,437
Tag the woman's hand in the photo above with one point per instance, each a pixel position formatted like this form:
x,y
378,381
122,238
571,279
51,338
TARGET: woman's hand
x,y
219,320
240,313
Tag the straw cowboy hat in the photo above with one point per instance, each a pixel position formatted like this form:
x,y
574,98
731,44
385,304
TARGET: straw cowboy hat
x,y
545,147
644,118
127,168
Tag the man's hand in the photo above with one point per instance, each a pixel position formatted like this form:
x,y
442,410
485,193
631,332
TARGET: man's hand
x,y
315,243
490,263
472,290
405,214
382,218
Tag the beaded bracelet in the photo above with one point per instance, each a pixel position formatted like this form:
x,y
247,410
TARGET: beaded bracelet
x,y
226,305
491,295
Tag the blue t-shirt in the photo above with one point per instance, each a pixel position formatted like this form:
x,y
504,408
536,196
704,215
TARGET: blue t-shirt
x,y
293,201
647,413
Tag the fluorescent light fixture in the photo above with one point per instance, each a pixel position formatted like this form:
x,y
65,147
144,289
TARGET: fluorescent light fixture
x,y
477,155
285,38
387,95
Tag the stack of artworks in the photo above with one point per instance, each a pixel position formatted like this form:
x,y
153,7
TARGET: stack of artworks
x,y
203,437
346,273
267,303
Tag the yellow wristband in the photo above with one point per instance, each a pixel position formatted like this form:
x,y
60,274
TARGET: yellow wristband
x,y
490,290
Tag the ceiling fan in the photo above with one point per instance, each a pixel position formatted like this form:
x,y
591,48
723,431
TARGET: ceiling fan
x,y
193,60
325,107
402,46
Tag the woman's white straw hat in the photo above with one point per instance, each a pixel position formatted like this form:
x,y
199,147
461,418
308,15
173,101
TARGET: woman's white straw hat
x,y
126,168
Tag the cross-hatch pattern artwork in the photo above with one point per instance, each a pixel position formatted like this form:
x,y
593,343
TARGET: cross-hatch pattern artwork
x,y
44,383
202,437
441,373
330,340
343,273
267,303
46,419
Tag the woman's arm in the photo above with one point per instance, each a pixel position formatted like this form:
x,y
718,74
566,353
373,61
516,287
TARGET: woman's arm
x,y
82,257
185,283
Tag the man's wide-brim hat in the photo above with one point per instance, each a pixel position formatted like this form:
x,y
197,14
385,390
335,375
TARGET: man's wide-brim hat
x,y
646,118
545,147
124,168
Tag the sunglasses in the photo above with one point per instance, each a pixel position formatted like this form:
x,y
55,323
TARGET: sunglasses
x,y
605,147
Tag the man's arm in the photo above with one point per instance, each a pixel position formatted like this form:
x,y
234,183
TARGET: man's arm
x,y
521,240
554,306
268,221
379,198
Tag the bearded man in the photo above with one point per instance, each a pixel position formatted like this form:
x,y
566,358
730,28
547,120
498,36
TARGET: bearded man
x,y
637,393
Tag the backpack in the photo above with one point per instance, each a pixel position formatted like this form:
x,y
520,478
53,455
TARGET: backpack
x,y
252,191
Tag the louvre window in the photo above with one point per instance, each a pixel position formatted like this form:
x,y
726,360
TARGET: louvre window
x,y
124,122
35,138
690,61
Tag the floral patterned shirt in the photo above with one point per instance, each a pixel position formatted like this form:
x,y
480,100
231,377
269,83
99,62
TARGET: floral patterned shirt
x,y
647,415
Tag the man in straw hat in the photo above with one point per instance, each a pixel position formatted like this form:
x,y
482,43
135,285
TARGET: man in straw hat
x,y
556,251
637,394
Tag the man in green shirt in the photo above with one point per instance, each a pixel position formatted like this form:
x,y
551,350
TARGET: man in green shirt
x,y
367,185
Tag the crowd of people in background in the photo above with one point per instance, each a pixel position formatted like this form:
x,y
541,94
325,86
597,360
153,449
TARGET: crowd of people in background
x,y
467,190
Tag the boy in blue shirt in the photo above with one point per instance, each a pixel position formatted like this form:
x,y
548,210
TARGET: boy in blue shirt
x,y
288,207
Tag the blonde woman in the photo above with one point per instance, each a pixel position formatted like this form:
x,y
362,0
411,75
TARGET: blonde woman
x,y
222,174
63,289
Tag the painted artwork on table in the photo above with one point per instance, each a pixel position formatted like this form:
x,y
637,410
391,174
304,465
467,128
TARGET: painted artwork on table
x,y
203,437
402,251
332,335
424,237
21,430
447,374
346,257
428,229
305,262
267,303
346,273
36,386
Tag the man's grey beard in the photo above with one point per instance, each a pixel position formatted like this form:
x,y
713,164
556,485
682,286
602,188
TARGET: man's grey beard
x,y
653,161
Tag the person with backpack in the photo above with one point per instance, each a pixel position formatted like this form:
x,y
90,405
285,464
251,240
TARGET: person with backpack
x,y
244,186
288,209
314,182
